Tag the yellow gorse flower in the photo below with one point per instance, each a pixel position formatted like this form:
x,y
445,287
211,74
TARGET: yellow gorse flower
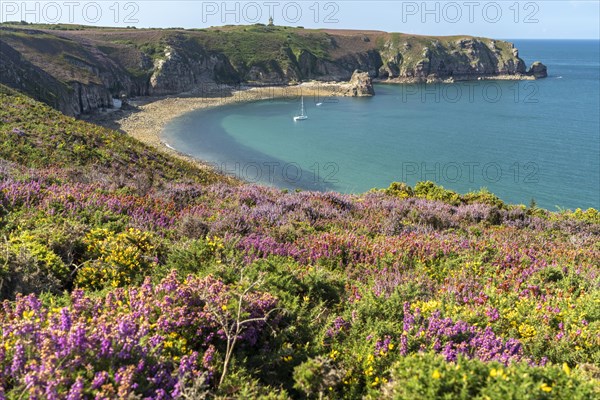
x,y
115,257
545,388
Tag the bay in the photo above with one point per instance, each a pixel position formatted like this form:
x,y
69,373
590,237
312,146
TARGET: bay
x,y
522,140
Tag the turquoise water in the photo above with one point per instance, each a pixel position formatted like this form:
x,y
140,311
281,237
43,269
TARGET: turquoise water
x,y
521,140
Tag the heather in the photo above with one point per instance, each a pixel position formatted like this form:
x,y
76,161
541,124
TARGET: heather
x,y
176,288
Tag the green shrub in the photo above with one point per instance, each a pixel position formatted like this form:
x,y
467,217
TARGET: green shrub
x,y
590,215
29,266
116,259
241,385
199,256
399,189
317,376
430,191
429,376
483,196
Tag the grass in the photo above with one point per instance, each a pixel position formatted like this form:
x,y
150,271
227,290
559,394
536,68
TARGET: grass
x,y
36,136
258,45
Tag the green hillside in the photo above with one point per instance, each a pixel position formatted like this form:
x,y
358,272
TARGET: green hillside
x,y
34,135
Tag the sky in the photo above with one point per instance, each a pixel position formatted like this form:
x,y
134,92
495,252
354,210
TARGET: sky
x,y
511,19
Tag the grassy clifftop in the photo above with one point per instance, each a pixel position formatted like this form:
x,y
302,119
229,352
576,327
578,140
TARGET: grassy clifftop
x,y
243,45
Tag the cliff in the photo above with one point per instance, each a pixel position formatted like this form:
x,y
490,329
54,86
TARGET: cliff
x,y
82,69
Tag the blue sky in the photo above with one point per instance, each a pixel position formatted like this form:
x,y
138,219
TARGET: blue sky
x,y
502,19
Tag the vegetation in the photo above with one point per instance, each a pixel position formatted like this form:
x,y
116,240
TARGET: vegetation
x,y
279,53
184,286
257,44
37,136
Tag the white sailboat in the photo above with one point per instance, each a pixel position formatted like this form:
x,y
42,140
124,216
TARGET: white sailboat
x,y
302,115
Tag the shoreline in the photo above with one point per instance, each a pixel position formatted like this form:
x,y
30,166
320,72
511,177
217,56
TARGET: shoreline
x,y
146,117
455,79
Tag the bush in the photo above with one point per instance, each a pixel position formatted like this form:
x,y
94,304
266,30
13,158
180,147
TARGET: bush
x,y
428,376
141,342
317,376
195,257
116,259
27,266
399,189
483,196
430,191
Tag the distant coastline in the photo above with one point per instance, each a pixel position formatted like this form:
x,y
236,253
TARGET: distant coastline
x,y
94,68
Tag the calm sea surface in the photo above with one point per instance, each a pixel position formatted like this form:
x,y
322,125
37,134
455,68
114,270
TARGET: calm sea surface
x,y
521,140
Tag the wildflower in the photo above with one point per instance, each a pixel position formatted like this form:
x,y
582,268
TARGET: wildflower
x,y
436,374
545,388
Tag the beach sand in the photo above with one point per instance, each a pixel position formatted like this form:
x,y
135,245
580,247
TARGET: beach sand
x,y
145,118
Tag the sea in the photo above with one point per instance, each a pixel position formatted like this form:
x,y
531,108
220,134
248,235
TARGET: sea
x,y
522,140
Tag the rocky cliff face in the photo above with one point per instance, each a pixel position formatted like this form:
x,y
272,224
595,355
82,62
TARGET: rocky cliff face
x,y
459,59
341,69
17,72
81,81
185,65
80,72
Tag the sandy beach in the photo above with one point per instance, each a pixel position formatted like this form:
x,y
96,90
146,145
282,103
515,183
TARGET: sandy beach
x,y
145,118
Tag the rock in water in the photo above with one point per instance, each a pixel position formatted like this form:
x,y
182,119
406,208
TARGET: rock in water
x,y
538,70
361,84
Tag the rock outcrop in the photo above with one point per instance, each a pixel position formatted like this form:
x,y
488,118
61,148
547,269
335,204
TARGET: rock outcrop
x,y
538,70
360,85
79,72
184,65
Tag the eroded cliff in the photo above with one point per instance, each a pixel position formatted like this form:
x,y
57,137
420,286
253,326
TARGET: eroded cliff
x,y
83,69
